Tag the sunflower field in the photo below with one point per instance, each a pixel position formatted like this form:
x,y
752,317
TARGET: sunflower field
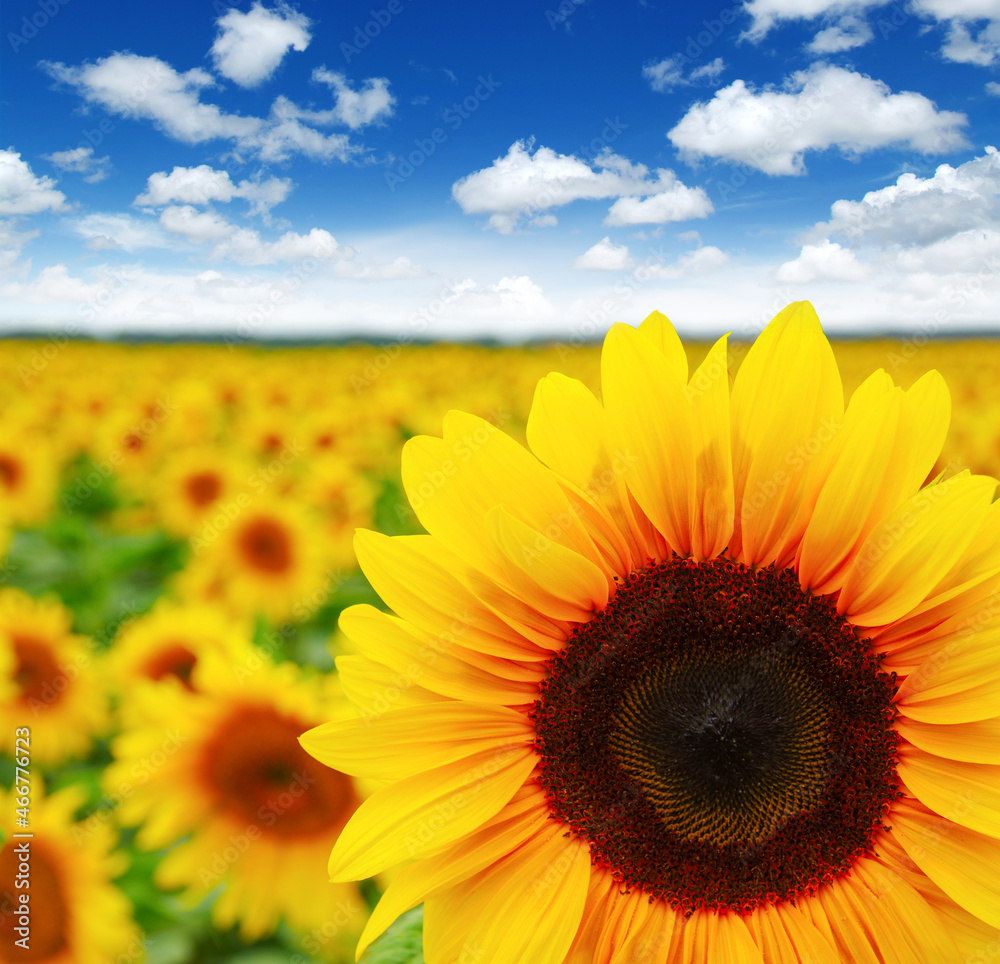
x,y
176,547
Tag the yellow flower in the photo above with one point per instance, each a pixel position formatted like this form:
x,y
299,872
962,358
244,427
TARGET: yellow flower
x,y
27,476
168,641
710,677
194,484
257,555
47,680
75,914
223,764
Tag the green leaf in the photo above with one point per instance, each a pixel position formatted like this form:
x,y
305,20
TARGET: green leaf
x,y
400,944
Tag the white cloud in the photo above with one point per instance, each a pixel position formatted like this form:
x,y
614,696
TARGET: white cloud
x,y
847,33
963,47
251,45
12,243
822,107
525,185
147,88
674,203
356,108
846,29
202,184
81,160
195,226
119,232
664,75
701,261
604,256
826,261
767,13
21,192
400,267
285,135
918,210
993,88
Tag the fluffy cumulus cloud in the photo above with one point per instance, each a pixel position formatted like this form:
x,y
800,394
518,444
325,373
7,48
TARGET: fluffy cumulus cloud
x,y
371,104
81,160
972,27
604,256
203,184
826,261
935,238
119,232
664,75
22,192
848,32
816,109
693,264
251,45
521,186
146,88
921,210
769,13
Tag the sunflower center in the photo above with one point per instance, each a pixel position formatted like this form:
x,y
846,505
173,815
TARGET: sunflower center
x,y
203,488
38,675
258,771
174,659
721,738
265,544
48,912
10,472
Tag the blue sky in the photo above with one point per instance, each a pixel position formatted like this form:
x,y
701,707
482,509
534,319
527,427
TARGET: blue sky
x,y
408,170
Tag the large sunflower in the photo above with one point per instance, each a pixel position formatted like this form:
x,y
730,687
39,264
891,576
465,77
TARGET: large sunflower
x,y
220,765
710,679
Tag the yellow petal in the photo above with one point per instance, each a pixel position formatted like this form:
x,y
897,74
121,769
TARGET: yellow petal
x,y
401,742
526,907
661,333
374,688
958,684
844,507
710,937
441,665
906,553
554,579
428,594
453,482
968,793
568,430
428,811
787,404
977,742
521,819
960,861
651,414
709,394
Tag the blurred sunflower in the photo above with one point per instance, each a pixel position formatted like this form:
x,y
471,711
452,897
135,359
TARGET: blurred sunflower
x,y
194,483
718,679
47,679
345,501
27,476
168,641
267,558
223,764
77,915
